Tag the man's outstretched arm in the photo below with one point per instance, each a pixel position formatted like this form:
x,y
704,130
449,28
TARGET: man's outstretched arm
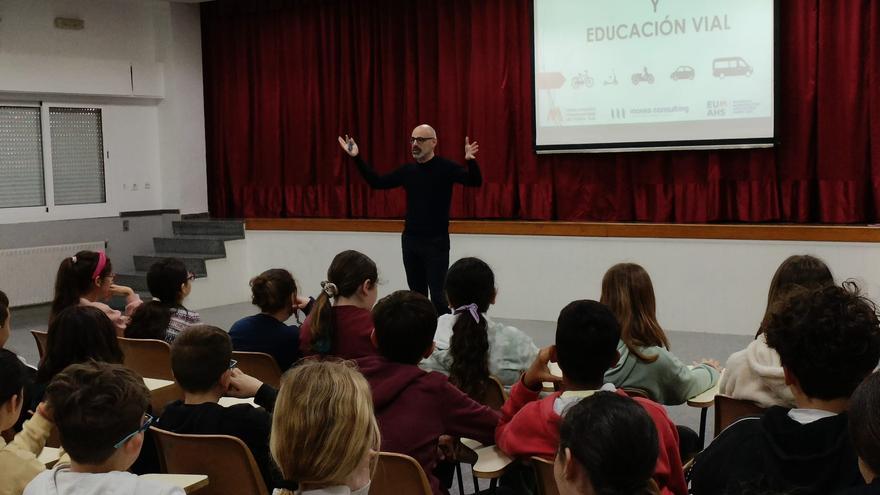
x,y
376,181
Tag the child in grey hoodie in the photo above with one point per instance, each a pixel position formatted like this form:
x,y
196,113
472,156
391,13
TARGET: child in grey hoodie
x,y
99,410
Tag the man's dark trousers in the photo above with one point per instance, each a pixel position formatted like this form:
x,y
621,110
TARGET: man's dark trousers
x,y
426,260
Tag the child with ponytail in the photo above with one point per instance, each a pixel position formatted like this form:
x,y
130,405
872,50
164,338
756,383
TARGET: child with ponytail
x,y
470,346
340,324
87,279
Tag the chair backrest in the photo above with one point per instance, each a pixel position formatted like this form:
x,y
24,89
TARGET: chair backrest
x,y
494,396
544,475
226,460
728,410
398,474
150,358
42,338
259,365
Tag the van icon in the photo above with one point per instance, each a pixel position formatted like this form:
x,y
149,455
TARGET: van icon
x,y
730,66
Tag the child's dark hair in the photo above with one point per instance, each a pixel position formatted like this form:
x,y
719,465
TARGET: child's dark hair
x,y
470,281
800,271
404,324
348,271
864,421
12,376
165,278
4,308
74,279
273,290
828,338
95,405
149,321
199,357
587,334
77,334
614,440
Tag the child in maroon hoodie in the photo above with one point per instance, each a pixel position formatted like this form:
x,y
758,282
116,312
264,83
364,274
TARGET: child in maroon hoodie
x,y
414,407
586,346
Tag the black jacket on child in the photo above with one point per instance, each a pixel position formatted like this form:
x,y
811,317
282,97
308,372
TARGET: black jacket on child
x,y
251,425
777,453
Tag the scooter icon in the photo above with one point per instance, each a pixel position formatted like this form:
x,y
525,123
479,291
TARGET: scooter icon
x,y
643,76
612,81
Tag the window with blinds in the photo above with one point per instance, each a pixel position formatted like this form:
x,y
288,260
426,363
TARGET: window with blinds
x,y
70,157
77,155
21,157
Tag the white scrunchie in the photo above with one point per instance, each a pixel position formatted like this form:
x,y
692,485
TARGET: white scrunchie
x,y
329,288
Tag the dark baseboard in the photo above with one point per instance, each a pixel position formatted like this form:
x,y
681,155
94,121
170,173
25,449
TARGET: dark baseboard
x,y
147,213
195,216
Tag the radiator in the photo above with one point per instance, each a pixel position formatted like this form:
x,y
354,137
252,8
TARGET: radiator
x,y
27,275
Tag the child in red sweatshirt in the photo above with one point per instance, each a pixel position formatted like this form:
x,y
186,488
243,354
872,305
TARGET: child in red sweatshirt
x,y
414,407
586,346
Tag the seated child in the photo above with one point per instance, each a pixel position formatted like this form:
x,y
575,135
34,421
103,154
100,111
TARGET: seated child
x,y
274,292
149,321
415,407
18,460
586,346
340,323
828,340
470,346
864,433
324,408
170,283
201,362
607,444
100,412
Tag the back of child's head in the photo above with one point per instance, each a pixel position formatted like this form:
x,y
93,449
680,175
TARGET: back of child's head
x,y
76,335
166,279
627,290
586,341
149,321
404,323
864,422
273,290
800,271
325,404
5,317
470,289
76,277
95,405
347,273
614,441
199,357
12,376
828,338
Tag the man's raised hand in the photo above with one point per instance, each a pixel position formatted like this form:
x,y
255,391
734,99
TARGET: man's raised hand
x,y
470,149
348,145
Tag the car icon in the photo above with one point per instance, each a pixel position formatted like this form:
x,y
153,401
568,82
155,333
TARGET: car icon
x,y
683,72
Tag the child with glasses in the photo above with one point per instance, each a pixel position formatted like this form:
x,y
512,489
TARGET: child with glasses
x,y
100,412
170,283
201,359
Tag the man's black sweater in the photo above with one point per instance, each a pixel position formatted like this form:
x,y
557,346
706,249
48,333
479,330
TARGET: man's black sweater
x,y
428,190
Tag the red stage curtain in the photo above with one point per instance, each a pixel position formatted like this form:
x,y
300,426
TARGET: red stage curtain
x,y
283,79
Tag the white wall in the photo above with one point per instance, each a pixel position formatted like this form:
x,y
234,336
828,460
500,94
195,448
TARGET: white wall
x,y
153,120
701,285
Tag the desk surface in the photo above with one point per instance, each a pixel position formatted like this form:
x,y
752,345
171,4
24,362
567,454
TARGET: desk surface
x,y
707,398
189,482
155,383
49,456
491,462
231,401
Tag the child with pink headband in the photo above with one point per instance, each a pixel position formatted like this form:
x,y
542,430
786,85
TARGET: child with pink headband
x,y
87,278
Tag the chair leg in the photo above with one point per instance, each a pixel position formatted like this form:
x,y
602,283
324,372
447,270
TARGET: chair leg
x,y
476,486
460,481
703,413
493,484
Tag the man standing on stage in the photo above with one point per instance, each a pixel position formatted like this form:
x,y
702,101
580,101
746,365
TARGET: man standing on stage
x,y
428,184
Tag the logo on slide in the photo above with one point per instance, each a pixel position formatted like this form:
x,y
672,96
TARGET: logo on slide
x,y
581,80
618,113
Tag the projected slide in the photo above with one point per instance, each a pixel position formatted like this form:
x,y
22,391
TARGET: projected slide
x,y
621,74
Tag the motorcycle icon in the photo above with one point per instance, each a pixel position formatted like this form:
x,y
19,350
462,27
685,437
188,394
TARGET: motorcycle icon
x,y
643,76
581,80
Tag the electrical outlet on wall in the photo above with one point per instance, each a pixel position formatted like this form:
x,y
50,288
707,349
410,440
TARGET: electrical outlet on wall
x,y
134,187
146,185
125,225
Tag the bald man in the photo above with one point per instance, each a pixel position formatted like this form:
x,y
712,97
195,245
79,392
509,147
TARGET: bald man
x,y
428,184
